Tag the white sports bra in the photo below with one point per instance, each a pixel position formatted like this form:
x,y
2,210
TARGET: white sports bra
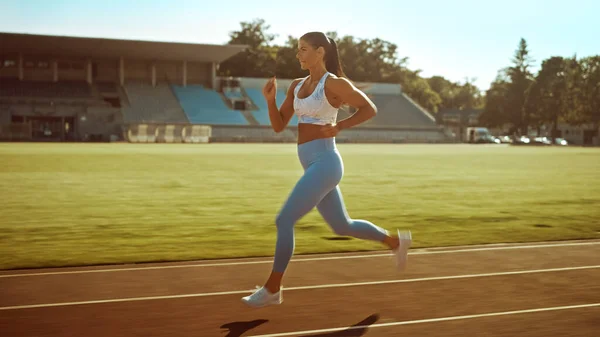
x,y
314,109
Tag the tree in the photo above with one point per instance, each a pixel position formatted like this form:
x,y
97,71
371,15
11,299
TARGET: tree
x,y
467,95
590,89
287,63
364,60
521,79
419,90
548,98
575,98
446,90
557,94
259,59
455,95
506,100
495,107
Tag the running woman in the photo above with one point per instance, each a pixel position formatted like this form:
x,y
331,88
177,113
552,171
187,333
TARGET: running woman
x,y
315,100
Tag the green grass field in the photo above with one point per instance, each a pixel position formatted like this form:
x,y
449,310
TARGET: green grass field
x,y
74,204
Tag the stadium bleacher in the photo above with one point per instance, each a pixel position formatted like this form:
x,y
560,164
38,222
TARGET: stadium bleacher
x,y
152,103
234,93
118,91
198,104
397,110
107,87
205,106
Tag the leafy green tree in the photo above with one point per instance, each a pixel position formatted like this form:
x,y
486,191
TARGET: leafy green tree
x,y
258,60
521,79
495,112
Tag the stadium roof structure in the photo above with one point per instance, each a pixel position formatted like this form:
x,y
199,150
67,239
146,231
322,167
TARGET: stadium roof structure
x,y
113,48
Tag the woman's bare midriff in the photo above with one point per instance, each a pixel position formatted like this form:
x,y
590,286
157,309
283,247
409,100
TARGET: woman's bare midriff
x,y
309,132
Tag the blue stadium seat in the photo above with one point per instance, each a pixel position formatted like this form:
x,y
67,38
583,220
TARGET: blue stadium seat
x,y
233,94
205,106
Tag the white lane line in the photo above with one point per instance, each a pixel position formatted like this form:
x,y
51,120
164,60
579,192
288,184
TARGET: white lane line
x,y
320,286
327,258
431,320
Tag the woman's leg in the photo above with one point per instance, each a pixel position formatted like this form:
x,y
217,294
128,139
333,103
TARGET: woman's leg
x,y
322,172
317,181
333,210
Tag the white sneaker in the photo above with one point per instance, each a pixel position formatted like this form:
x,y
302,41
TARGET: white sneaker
x,y
262,297
401,253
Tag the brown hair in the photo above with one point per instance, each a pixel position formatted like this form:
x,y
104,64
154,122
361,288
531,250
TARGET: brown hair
x,y
332,57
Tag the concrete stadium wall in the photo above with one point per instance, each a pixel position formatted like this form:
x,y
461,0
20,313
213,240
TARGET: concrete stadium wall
x,y
168,70
37,74
198,73
221,133
4,115
137,70
73,69
41,68
102,122
231,133
106,70
392,136
99,121
173,134
9,72
39,109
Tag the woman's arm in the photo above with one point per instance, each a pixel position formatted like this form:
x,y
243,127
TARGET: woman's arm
x,y
348,93
280,117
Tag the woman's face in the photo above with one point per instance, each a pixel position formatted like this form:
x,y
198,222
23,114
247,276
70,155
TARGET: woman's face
x,y
308,55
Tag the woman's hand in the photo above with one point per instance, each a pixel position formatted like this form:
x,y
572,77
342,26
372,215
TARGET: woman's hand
x,y
270,89
330,130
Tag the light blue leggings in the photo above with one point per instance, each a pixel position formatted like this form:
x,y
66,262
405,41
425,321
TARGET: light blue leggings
x,y
323,170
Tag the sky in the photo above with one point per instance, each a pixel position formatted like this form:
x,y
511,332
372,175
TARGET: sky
x,y
456,39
